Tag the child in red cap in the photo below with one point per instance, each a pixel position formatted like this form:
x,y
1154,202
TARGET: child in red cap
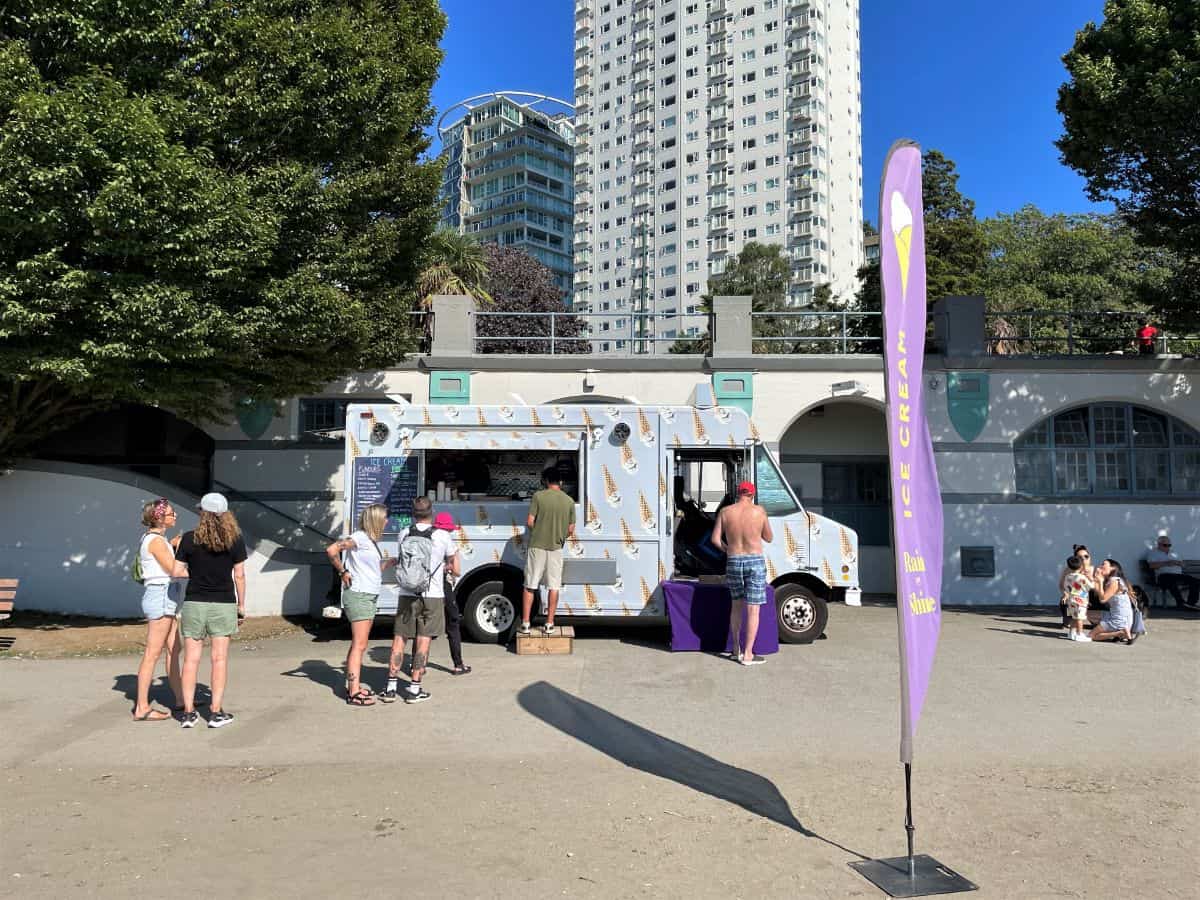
x,y
445,522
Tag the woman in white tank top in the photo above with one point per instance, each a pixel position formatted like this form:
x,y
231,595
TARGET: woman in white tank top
x,y
159,607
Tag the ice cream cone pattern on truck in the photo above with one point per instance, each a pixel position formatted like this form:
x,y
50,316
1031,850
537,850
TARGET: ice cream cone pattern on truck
x,y
625,610
902,226
772,572
495,555
464,543
574,545
534,419
566,608
589,597
827,571
627,541
482,417
754,432
645,432
482,515
662,571
647,592
354,449
649,522
847,547
593,523
698,428
426,419
789,542
517,539
611,494
587,420
618,586
662,485
676,440
628,460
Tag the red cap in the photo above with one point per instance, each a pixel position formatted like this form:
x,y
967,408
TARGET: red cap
x,y
746,488
444,521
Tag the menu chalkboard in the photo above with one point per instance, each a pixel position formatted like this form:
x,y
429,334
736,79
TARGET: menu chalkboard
x,y
390,480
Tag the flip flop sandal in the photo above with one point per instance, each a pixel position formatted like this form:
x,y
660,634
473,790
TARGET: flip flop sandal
x,y
362,698
149,716
461,670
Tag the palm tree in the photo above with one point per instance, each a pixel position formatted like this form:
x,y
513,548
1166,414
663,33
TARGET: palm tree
x,y
455,264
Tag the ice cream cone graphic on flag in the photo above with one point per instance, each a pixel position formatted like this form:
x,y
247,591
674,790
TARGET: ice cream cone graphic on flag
x,y
902,228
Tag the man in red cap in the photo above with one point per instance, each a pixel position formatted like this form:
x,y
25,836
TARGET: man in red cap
x,y
740,531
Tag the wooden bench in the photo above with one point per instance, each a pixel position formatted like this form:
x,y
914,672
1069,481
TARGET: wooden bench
x,y
1150,580
8,596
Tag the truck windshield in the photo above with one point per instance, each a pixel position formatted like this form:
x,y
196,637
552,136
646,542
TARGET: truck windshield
x,y
773,493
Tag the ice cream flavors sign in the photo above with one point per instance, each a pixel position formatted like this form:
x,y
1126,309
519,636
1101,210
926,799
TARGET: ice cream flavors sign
x,y
916,497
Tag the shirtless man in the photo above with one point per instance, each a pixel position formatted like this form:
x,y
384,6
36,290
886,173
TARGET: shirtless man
x,y
740,531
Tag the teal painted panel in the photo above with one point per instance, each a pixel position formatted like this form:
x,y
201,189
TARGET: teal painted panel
x,y
254,416
734,389
967,402
450,387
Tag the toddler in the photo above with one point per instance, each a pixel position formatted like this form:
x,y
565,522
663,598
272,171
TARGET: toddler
x,y
1075,595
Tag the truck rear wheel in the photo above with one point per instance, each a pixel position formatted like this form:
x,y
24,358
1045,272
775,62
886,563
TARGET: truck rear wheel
x,y
491,612
801,614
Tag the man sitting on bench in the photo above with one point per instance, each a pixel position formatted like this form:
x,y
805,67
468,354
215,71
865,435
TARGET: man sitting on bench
x,y
1168,573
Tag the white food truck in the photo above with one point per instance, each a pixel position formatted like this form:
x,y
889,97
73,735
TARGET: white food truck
x,y
647,481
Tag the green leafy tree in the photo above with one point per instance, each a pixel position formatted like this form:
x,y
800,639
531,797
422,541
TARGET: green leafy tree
x,y
202,201
518,283
456,264
760,271
1087,266
1131,128
955,251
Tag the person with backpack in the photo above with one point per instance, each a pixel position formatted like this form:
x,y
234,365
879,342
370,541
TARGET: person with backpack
x,y
152,567
426,554
361,576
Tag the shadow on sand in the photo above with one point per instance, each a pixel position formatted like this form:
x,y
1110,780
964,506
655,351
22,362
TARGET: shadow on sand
x,y
650,752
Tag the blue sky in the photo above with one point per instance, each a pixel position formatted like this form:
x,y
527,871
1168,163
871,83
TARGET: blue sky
x,y
976,80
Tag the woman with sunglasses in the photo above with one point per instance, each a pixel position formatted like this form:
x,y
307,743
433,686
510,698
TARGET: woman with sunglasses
x,y
157,559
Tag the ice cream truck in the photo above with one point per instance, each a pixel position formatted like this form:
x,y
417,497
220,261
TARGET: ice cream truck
x,y
647,481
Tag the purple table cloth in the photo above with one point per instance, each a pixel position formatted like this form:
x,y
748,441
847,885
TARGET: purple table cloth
x,y
699,615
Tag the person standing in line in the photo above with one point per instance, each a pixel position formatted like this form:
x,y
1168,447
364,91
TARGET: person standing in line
x,y
1146,336
362,580
443,521
157,559
1168,573
741,529
550,522
420,616
213,559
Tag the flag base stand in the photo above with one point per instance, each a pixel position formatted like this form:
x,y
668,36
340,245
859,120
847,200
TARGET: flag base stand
x,y
926,878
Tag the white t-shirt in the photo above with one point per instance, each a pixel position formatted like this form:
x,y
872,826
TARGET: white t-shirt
x,y
152,572
443,549
1158,556
363,563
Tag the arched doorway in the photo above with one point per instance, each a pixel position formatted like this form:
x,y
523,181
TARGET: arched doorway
x,y
140,439
835,456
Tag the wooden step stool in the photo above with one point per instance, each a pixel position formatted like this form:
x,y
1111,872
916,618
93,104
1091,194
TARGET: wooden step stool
x,y
561,643
8,596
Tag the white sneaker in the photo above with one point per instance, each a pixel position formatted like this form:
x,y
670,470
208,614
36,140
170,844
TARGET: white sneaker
x,y
1070,636
1084,639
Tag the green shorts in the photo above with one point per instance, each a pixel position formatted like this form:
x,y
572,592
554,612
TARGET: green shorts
x,y
359,606
200,619
420,617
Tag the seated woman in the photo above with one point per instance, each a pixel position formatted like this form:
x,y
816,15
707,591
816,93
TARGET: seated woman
x,y
1118,618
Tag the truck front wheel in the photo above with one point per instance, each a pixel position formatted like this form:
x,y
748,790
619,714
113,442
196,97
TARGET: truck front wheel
x,y
491,612
801,614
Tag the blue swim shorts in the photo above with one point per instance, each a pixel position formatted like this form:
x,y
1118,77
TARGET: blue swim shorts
x,y
746,577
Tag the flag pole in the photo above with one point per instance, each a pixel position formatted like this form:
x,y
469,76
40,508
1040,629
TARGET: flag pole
x,y
908,822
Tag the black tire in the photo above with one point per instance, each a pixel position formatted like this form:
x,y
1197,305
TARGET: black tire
x,y
801,614
492,611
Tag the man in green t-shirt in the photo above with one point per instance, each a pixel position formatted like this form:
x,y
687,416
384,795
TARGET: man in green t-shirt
x,y
551,521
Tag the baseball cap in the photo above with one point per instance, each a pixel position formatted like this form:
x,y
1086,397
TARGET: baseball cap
x,y
746,488
444,521
214,503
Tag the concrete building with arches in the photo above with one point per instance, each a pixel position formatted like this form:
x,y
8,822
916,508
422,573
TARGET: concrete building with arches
x,y
1034,454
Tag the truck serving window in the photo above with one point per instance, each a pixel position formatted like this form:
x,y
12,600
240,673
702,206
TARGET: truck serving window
x,y
494,475
773,493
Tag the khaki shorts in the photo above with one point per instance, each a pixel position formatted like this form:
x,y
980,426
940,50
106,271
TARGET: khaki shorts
x,y
200,619
1077,610
420,617
544,565
359,606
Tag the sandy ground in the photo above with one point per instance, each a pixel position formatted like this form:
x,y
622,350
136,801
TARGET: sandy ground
x,y
1044,769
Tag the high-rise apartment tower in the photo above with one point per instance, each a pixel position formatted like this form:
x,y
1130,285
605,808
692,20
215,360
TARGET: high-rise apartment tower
x,y
508,178
703,125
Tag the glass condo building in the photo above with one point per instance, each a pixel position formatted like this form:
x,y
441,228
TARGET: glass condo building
x,y
509,176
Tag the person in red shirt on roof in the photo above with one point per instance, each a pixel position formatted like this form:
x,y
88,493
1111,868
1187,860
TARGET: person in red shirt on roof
x,y
1146,335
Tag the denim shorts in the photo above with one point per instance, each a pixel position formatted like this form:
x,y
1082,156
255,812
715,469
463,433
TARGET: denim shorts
x,y
160,600
746,577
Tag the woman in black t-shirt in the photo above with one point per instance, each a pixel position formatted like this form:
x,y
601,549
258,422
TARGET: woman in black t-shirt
x,y
212,558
